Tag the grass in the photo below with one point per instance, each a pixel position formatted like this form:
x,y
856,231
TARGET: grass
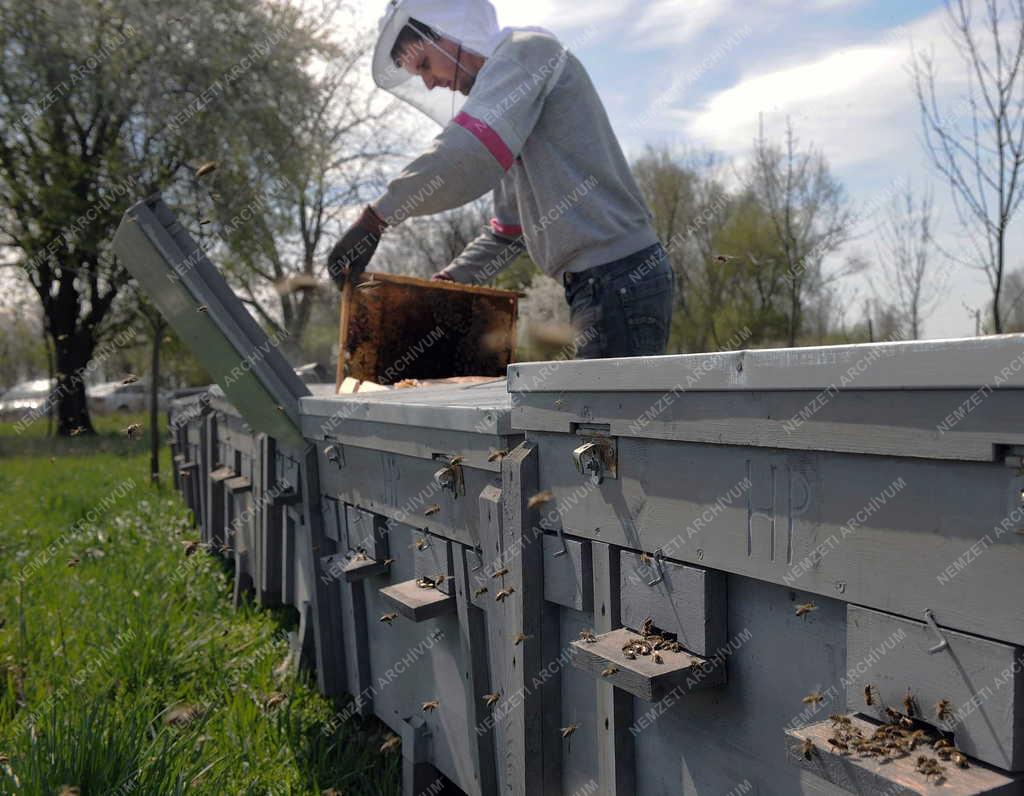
x,y
123,666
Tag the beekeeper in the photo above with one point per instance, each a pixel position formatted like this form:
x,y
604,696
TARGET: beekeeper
x,y
521,118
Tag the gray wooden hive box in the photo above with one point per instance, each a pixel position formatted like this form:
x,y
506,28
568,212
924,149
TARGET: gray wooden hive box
x,y
696,500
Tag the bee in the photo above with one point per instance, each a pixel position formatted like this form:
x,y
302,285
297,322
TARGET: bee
x,y
725,258
806,608
813,698
69,790
207,168
906,722
909,704
869,695
915,738
944,710
942,743
807,749
190,548
838,720
360,556
388,562
609,671
53,459
540,499
648,624
77,431
588,636
480,592
426,582
519,639
959,759
274,700
456,461
74,561
439,579
388,618
391,743
280,409
62,337
567,731
501,595
133,431
205,222
842,746
491,699
420,543
500,573
225,548
131,378
656,657
645,559
497,456
431,705
202,308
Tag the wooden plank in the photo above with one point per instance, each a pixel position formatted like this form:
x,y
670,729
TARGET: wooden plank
x,y
499,635
567,577
532,762
982,680
893,777
360,677
325,597
418,604
286,497
222,474
476,679
642,677
930,365
366,531
270,518
687,601
360,569
616,752
238,484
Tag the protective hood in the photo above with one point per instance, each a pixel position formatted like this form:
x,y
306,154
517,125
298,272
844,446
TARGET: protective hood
x,y
471,23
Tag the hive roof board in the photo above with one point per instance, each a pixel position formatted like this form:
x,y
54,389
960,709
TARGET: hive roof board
x,y
196,301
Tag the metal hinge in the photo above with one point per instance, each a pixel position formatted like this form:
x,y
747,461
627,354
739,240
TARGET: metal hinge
x,y
597,459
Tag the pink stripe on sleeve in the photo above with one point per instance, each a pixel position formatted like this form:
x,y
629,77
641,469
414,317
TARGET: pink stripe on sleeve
x,y
488,138
506,230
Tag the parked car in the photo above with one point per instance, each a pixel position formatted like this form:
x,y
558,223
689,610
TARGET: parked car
x,y
25,398
114,396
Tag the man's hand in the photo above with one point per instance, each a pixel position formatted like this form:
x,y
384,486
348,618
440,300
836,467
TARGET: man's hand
x,y
352,254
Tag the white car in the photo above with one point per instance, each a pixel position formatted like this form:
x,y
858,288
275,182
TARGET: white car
x,y
29,397
114,396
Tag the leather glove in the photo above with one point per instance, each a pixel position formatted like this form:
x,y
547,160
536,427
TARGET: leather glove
x,y
441,277
352,254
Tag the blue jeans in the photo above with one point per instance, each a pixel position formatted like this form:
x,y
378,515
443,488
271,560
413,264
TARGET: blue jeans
x,y
624,308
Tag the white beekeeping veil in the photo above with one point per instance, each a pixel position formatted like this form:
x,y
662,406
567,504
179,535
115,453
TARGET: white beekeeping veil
x,y
471,23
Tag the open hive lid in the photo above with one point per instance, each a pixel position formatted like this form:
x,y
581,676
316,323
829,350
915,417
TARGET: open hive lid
x,y
394,328
196,301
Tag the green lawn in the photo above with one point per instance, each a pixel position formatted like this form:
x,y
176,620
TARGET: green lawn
x,y
123,666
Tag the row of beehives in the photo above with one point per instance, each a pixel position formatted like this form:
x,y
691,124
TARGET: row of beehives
x,y
538,596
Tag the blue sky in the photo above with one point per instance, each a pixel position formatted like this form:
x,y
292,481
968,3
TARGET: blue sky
x,y
699,74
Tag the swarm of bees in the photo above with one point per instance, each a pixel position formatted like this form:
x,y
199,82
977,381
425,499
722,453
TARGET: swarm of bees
x,y
649,642
899,738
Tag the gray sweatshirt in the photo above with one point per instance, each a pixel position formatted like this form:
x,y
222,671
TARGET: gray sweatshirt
x,y
534,131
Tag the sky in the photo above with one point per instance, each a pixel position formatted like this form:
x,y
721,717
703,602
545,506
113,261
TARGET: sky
x,y
700,74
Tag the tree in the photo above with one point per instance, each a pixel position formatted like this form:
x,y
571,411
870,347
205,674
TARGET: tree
x,y
809,212
424,245
979,148
906,249
104,101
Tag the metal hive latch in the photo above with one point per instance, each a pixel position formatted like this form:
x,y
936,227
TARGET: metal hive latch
x,y
943,643
596,459
658,555
450,477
